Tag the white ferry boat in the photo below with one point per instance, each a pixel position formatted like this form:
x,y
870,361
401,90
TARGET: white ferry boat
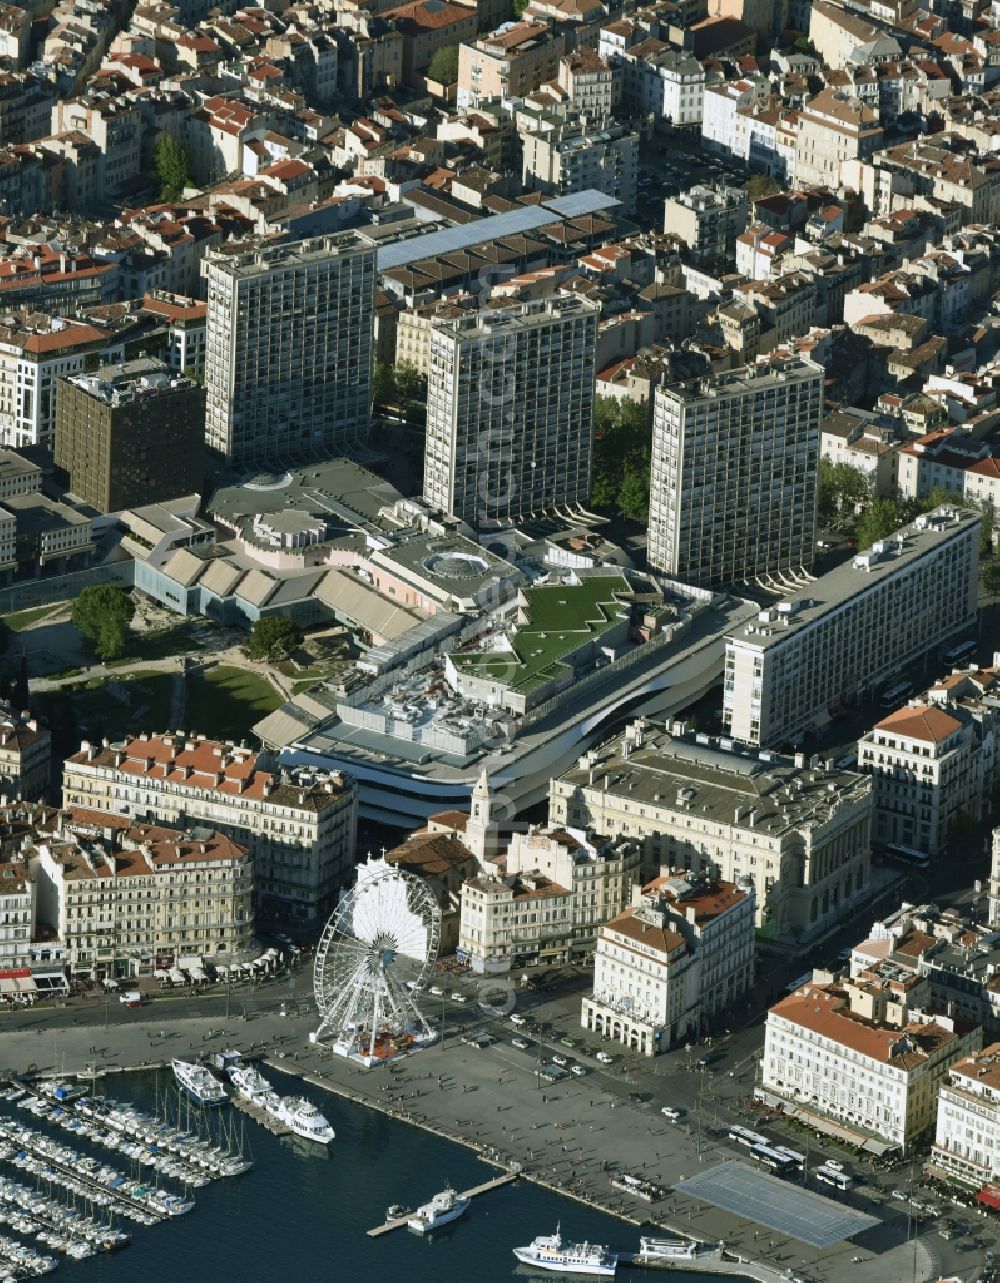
x,y
549,1252
199,1084
251,1085
442,1209
303,1118
299,1115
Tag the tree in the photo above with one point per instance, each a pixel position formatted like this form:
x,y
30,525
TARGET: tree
x,y
383,385
991,578
633,494
622,442
443,66
877,522
171,160
102,614
842,490
411,385
273,638
759,186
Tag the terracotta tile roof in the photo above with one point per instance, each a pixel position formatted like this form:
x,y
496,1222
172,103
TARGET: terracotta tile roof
x,y
929,724
825,1012
648,934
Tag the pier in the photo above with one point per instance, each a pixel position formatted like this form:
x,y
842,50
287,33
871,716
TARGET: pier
x,y
495,1183
261,1116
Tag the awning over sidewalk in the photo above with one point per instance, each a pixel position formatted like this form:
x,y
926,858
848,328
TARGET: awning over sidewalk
x,y
989,1196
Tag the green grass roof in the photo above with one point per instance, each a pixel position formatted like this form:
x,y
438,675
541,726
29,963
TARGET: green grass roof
x,y
562,619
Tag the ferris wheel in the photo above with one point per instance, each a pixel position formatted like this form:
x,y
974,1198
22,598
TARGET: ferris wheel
x,y
375,951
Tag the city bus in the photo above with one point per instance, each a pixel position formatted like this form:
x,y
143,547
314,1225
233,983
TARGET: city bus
x,y
772,1159
959,654
743,1136
829,1176
798,1160
893,696
907,855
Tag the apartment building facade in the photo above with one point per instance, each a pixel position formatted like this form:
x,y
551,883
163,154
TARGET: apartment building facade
x,y
510,405
130,434
548,899
127,898
289,349
967,1135
855,1057
32,360
799,833
25,754
299,825
733,477
508,63
708,221
851,629
670,962
934,762
575,156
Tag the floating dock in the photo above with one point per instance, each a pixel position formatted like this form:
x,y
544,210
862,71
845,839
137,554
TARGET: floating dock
x,y
261,1116
495,1183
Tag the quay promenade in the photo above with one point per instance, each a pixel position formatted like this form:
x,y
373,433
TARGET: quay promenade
x,y
561,1136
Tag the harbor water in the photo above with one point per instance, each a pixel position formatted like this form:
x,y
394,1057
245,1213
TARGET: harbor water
x,y
303,1212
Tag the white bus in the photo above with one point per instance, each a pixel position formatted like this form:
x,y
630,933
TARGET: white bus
x,y
893,696
773,1159
798,1160
907,855
744,1136
959,654
839,1180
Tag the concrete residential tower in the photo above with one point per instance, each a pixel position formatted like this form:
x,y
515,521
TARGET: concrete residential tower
x,y
733,487
510,407
289,349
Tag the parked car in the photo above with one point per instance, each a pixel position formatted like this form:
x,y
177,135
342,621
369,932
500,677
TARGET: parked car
x,y
559,1060
458,997
567,1041
899,1194
668,1111
604,1058
436,990
578,1071
517,1020
521,1044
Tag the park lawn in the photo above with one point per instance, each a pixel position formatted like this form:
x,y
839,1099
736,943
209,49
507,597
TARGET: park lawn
x,y
162,644
114,707
22,619
226,702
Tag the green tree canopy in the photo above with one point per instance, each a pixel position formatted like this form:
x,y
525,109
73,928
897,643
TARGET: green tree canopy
x,y
102,614
273,638
443,66
411,385
622,443
383,385
759,186
841,491
991,578
172,167
878,521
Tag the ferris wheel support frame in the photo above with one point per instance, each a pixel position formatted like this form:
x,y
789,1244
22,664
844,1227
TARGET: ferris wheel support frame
x,y
355,977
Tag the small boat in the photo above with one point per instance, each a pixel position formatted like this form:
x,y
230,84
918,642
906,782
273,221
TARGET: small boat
x,y
441,1210
549,1252
397,1212
199,1084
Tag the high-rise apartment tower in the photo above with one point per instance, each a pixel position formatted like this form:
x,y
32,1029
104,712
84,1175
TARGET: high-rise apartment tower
x,y
289,349
733,485
510,408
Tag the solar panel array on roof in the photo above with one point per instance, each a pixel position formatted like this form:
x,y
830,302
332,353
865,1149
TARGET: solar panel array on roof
x,y
781,1206
514,222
